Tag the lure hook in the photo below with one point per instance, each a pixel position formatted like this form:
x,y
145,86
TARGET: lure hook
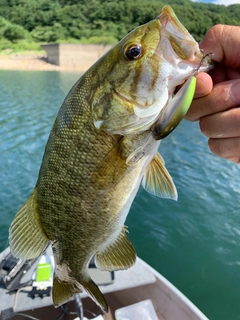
x,y
209,54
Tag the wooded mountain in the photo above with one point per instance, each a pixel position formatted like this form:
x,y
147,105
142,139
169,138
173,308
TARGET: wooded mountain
x,y
100,21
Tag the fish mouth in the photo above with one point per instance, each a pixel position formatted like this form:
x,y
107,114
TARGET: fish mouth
x,y
180,49
179,43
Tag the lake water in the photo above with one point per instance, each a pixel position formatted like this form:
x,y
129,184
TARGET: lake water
x,y
194,242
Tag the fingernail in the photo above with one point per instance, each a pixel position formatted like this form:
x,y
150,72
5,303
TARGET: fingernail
x,y
235,92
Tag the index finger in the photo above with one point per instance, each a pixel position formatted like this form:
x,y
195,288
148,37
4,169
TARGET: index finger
x,y
223,41
224,96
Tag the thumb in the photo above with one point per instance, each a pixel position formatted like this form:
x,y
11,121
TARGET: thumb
x,y
204,85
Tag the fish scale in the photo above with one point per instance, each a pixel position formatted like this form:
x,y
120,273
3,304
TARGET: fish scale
x,y
103,143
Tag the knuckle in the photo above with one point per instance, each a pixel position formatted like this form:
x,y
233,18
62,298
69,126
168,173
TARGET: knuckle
x,y
221,98
215,31
218,28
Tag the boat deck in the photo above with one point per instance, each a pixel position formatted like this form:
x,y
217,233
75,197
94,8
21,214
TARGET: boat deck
x,y
134,277
139,283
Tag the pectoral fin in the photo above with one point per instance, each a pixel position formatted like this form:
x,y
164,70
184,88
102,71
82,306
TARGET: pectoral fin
x,y
26,237
145,149
158,181
118,255
175,110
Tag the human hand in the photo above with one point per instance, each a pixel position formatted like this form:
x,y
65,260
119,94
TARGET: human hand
x,y
217,98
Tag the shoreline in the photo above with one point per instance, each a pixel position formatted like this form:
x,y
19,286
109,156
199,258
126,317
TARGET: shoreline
x,y
30,61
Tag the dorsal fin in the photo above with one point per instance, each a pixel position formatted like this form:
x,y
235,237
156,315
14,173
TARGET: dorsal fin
x,y
158,181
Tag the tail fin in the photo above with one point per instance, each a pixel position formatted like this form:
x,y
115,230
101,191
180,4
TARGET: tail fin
x,y
63,291
26,237
97,296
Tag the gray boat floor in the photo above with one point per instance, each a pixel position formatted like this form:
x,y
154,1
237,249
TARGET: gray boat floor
x,y
138,275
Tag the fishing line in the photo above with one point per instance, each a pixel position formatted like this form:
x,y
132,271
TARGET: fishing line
x,y
28,289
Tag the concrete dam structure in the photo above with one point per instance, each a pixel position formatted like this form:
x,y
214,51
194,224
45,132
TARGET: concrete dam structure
x,y
74,56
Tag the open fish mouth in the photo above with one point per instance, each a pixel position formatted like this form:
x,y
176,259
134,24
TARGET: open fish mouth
x,y
179,43
181,49
158,57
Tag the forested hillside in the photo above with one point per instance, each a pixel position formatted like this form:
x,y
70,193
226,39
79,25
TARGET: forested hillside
x,y
28,23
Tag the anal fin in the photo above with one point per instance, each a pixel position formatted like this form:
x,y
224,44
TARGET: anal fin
x,y
158,181
62,291
26,237
118,255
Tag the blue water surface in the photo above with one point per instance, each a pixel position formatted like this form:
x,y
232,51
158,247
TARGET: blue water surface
x,y
193,242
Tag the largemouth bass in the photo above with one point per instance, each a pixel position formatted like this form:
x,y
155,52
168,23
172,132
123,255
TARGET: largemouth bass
x,y
103,143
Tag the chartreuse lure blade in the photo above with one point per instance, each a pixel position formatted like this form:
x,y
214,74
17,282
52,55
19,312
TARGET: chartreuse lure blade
x,y
174,112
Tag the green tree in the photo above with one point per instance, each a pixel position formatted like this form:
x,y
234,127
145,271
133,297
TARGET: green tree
x,y
80,20
14,32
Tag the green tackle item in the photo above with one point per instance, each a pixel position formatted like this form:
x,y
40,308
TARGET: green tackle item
x,y
171,115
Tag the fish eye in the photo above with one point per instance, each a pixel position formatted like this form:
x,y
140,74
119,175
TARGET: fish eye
x,y
133,52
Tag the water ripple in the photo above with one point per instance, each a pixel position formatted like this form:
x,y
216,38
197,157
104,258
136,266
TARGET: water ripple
x,y
29,103
194,242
